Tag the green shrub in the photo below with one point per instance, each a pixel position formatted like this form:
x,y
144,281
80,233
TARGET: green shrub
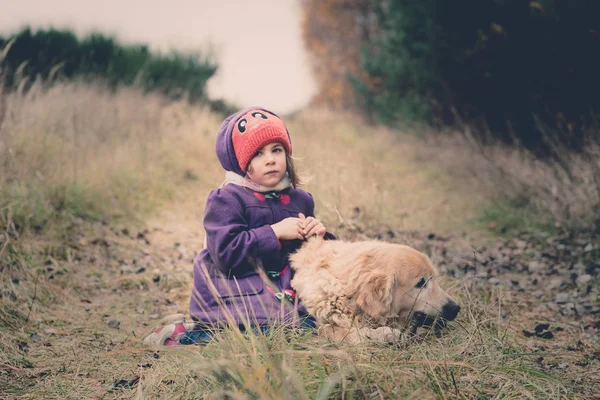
x,y
51,53
514,70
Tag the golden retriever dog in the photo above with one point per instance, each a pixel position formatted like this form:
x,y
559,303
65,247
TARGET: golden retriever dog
x,y
369,290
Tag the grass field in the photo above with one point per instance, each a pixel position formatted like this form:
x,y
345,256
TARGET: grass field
x,y
101,204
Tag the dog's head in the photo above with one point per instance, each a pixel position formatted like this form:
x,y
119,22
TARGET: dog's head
x,y
401,282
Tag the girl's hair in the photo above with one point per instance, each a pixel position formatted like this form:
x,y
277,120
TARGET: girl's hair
x,y
293,174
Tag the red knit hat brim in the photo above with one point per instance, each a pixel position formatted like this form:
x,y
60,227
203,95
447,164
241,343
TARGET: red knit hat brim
x,y
259,134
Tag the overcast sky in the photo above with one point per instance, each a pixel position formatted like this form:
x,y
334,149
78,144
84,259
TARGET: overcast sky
x,y
257,42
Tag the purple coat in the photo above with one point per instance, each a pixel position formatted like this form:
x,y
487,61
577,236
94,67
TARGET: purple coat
x,y
228,287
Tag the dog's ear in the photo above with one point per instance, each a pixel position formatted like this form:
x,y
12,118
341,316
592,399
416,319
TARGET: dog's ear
x,y
374,294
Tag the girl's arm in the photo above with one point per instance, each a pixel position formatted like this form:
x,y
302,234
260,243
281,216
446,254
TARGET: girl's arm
x,y
229,241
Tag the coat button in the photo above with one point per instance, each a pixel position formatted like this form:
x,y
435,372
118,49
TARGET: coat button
x,y
285,199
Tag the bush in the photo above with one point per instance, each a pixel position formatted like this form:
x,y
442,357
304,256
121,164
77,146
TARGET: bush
x,y
518,69
50,53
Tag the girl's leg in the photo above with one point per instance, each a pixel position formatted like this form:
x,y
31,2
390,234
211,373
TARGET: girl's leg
x,y
307,321
196,337
177,329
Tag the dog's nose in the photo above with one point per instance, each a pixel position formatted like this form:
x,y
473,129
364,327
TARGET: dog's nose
x,y
450,310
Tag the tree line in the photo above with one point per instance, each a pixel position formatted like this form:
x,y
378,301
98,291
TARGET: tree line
x,y
514,69
53,53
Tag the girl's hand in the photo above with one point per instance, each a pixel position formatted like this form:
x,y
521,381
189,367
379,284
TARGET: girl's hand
x,y
311,226
288,229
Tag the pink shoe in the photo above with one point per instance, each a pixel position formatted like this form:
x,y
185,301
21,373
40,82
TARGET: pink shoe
x,y
170,331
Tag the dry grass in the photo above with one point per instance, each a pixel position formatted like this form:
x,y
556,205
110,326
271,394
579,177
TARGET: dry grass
x,y
376,176
73,152
527,192
96,154
474,360
101,155
76,355
477,358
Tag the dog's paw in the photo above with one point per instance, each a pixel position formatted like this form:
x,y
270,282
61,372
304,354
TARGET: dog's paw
x,y
383,334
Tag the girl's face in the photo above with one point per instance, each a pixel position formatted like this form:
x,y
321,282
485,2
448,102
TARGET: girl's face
x,y
268,166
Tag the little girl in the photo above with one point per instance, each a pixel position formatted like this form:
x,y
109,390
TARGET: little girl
x,y
253,222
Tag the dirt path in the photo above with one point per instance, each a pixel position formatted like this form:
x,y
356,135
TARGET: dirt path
x,y
121,280
111,286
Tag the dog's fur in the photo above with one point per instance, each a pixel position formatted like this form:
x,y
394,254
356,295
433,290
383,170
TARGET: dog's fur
x,y
368,290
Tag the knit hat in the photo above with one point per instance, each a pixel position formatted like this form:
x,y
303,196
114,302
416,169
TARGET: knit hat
x,y
254,130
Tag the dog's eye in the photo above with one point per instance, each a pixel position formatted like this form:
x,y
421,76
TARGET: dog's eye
x,y
421,283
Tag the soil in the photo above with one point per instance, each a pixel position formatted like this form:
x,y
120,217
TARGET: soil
x,y
120,281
